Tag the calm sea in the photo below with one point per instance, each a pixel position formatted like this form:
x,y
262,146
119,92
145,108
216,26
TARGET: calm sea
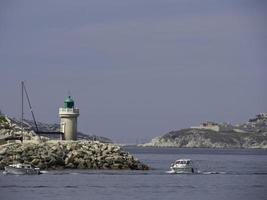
x,y
222,174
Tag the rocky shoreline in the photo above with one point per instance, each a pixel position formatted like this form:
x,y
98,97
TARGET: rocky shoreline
x,y
81,154
189,138
252,134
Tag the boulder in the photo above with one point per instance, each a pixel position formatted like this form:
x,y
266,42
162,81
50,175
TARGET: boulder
x,y
80,154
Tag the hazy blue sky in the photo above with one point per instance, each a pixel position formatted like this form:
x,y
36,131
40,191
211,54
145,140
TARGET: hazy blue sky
x,y
138,68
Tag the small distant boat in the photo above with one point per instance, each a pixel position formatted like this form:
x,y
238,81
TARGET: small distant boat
x,y
21,169
182,166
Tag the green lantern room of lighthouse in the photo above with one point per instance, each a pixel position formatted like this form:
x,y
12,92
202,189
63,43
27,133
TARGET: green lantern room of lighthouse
x,y
69,103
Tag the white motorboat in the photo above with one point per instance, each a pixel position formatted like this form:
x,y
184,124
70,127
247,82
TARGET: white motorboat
x,y
21,169
182,166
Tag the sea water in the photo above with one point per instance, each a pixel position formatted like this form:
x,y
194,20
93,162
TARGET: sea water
x,y
221,174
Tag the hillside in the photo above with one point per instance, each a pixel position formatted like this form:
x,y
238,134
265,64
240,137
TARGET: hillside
x,y
252,134
11,126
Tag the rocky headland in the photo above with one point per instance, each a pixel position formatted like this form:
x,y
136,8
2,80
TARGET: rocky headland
x,y
252,134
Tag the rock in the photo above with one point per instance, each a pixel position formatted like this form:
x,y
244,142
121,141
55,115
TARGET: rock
x,y
3,151
117,166
69,154
35,162
70,165
69,159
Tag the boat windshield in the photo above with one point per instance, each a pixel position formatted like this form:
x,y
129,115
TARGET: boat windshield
x,y
187,162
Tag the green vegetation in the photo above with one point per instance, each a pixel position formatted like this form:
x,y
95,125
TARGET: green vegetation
x,y
2,119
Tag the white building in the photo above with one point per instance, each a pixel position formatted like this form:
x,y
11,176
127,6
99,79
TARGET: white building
x,y
208,126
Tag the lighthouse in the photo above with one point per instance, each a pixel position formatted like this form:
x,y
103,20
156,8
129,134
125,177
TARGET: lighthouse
x,y
68,119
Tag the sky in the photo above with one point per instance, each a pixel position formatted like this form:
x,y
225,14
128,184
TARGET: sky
x,y
136,69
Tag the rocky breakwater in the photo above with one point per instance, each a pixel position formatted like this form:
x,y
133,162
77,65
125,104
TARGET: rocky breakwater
x,y
69,154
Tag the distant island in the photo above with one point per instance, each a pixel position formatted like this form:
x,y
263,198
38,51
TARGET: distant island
x,y
252,134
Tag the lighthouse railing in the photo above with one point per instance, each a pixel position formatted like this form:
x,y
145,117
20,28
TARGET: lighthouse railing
x,y
69,110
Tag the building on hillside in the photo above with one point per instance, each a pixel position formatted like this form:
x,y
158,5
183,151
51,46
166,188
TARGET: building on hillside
x,y
208,126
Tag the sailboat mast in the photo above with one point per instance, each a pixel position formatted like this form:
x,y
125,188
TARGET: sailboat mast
x,y
30,106
22,104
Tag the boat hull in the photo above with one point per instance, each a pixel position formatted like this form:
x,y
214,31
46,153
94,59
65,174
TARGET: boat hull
x,y
20,171
183,170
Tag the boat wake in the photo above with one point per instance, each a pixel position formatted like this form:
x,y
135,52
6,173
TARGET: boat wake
x,y
170,172
44,172
208,173
197,172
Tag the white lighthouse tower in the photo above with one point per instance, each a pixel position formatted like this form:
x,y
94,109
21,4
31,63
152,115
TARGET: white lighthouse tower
x,y
68,115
